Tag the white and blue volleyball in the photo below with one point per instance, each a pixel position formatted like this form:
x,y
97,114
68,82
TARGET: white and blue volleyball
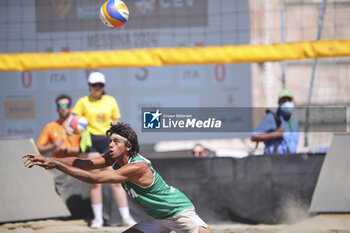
x,y
114,13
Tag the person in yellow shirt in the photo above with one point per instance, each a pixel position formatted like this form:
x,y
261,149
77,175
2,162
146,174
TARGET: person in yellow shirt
x,y
57,137
100,110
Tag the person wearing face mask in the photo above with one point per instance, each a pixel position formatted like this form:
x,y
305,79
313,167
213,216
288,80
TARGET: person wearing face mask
x,y
100,110
279,130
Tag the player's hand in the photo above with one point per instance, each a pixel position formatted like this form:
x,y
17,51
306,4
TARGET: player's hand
x,y
33,159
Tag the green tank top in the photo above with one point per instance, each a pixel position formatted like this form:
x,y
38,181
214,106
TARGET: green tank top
x,y
159,200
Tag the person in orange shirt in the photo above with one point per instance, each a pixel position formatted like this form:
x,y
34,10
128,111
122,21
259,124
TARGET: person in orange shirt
x,y
58,137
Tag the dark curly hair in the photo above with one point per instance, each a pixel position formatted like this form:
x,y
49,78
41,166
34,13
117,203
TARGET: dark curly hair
x,y
125,130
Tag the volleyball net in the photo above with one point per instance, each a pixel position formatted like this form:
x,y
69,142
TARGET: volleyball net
x,y
287,29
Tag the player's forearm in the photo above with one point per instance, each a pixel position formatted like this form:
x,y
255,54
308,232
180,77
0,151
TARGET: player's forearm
x,y
75,162
80,174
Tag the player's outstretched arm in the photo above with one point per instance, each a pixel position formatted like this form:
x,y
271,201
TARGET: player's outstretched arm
x,y
127,172
139,173
31,160
106,176
87,164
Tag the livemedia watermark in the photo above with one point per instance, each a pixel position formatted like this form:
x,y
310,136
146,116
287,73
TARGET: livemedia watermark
x,y
239,119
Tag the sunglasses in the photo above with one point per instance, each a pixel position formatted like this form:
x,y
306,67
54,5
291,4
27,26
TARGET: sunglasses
x,y
63,105
98,85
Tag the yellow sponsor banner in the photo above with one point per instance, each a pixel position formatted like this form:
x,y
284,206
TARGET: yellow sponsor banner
x,y
175,56
19,109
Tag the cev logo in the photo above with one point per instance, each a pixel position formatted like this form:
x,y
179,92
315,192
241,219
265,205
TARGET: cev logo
x,y
147,6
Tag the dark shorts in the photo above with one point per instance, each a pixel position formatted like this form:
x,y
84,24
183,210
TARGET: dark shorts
x,y
99,144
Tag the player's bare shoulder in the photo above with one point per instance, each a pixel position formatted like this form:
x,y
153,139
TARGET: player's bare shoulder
x,y
139,167
142,173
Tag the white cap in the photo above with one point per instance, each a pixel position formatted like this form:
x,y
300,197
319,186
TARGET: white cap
x,y
96,77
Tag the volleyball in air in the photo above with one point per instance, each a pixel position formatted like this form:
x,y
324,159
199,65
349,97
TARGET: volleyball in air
x,y
114,13
78,123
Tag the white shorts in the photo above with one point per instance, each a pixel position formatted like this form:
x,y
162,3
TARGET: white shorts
x,y
186,221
